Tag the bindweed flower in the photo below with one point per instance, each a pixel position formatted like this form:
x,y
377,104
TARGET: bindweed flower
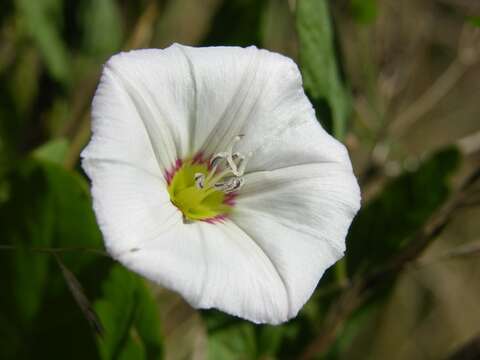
x,y
212,177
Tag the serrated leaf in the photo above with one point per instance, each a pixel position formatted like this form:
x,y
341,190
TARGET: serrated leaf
x,y
384,226
318,61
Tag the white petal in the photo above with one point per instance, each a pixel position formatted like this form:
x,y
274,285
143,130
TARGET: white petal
x,y
132,206
211,265
258,94
214,265
299,216
182,100
143,103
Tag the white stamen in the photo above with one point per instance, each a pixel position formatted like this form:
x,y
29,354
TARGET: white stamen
x,y
230,163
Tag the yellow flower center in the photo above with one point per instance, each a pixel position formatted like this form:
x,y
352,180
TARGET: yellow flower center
x,y
197,203
207,192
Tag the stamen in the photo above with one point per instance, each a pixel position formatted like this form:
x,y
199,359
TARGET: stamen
x,y
232,166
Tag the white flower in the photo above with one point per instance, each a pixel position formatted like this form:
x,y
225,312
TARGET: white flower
x,y
212,177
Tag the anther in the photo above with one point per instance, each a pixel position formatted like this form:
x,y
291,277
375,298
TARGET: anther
x,y
228,163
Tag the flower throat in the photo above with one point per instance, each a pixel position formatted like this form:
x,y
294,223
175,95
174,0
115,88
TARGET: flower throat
x,y
205,189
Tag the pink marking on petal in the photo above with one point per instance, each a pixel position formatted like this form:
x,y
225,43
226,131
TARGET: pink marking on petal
x,y
178,164
216,219
198,158
168,177
169,174
229,199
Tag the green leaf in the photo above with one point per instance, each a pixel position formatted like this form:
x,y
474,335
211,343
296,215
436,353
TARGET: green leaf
x,y
116,309
356,333
130,318
233,343
269,339
48,208
364,11
474,20
147,323
53,151
384,226
25,80
26,220
246,32
77,226
102,28
318,62
42,21
234,338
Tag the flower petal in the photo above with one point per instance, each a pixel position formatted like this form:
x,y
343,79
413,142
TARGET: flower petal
x,y
141,109
182,100
211,265
299,216
132,206
258,94
214,265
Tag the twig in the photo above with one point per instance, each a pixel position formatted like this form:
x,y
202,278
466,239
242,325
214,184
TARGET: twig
x,y
80,298
471,249
467,56
348,302
470,144
440,88
468,351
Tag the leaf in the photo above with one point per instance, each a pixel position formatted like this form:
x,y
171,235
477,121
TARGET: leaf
x,y
234,338
233,343
383,227
474,20
358,327
41,19
244,33
364,11
77,226
269,339
318,61
26,220
48,207
130,317
102,28
116,309
25,81
80,297
147,323
53,151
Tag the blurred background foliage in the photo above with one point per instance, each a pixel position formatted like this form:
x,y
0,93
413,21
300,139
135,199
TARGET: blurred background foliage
x,y
397,81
